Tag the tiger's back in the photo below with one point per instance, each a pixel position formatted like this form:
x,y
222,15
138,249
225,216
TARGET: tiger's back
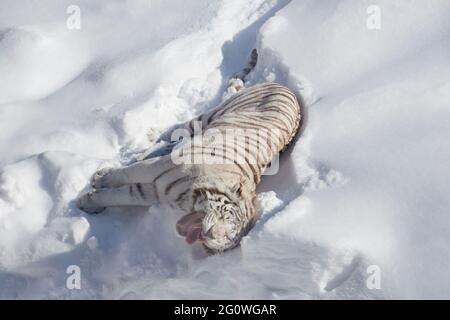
x,y
254,126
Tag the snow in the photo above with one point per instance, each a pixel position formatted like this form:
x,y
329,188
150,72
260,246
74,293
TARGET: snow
x,y
365,184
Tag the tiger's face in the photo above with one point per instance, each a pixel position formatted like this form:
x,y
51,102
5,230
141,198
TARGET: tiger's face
x,y
218,221
223,225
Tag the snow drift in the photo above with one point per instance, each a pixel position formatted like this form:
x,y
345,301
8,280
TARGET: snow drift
x,y
366,182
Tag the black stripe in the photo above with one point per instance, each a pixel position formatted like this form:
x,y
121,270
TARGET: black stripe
x,y
207,150
264,100
163,173
242,97
232,123
278,110
278,97
139,189
232,160
251,140
246,150
282,103
181,195
248,125
276,118
214,190
277,122
284,113
159,176
245,97
285,93
230,172
258,147
173,183
251,166
262,116
255,98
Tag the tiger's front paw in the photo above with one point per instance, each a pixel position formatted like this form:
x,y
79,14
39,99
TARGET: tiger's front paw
x,y
104,178
88,205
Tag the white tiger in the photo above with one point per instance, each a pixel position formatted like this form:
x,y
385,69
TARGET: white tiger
x,y
217,199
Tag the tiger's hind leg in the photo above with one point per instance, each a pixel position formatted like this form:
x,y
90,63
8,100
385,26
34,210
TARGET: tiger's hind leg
x,y
139,172
129,195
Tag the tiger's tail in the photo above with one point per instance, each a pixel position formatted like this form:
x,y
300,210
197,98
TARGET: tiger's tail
x,y
236,82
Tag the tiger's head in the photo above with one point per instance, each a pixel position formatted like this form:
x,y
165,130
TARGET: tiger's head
x,y
219,219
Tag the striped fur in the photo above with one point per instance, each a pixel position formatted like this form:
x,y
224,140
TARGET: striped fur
x,y
218,199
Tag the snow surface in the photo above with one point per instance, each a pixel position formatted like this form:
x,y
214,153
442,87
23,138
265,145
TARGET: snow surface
x,y
365,184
